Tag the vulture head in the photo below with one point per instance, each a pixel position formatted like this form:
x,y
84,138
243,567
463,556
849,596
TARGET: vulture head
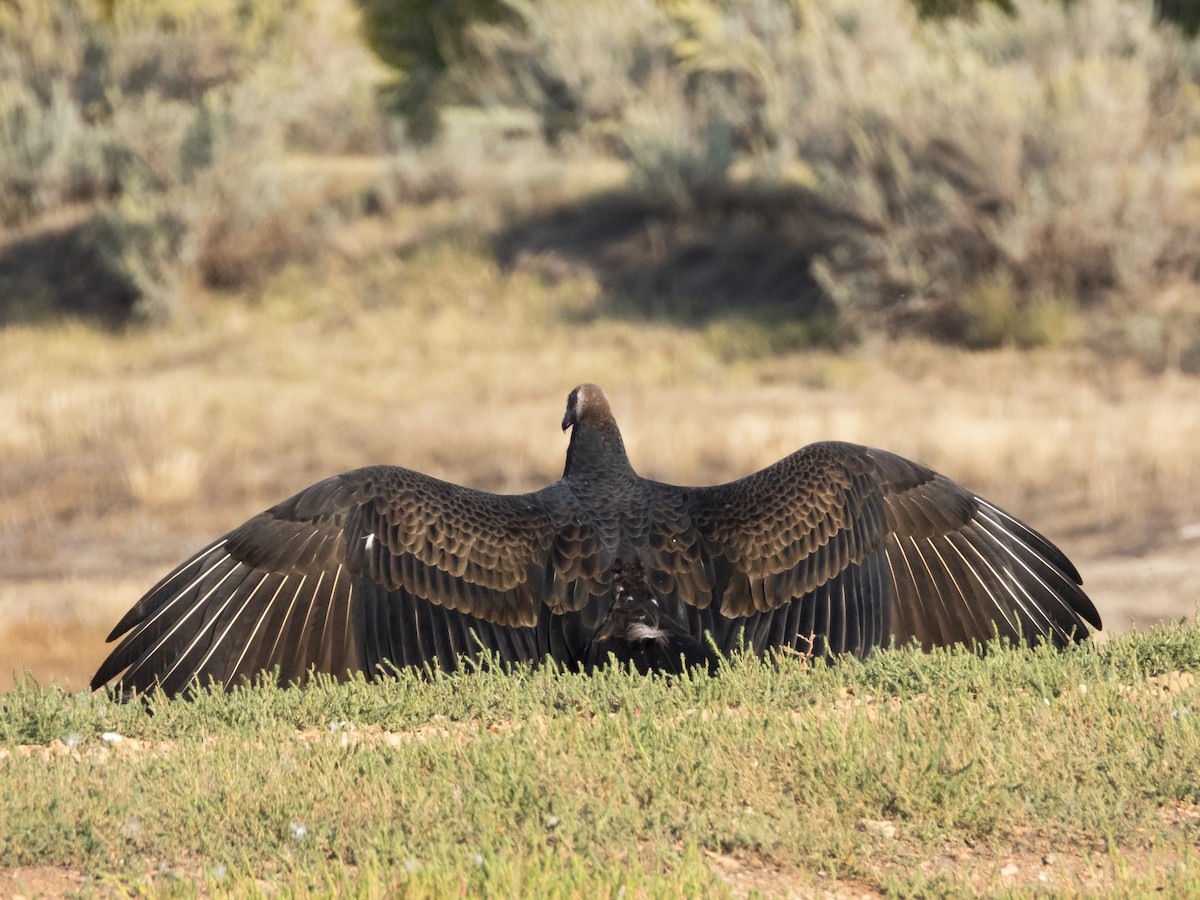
x,y
596,446
587,404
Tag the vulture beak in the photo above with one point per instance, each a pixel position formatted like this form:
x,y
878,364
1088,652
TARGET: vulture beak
x,y
568,418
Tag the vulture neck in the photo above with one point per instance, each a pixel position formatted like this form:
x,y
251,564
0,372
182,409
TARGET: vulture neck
x,y
596,451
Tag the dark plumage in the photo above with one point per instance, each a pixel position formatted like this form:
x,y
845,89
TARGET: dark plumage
x,y
638,632
835,549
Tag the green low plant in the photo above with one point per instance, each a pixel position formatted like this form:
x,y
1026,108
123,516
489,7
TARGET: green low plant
x,y
553,781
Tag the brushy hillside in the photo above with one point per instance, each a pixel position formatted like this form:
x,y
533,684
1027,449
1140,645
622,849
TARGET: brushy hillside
x,y
949,773
839,170
982,179
150,142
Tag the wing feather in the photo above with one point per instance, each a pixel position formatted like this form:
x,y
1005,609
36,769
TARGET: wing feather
x,y
874,547
376,565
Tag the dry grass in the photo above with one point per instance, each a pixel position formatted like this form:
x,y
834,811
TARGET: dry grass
x,y
121,453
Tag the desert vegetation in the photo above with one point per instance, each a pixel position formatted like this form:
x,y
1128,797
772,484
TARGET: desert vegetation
x,y
982,174
243,247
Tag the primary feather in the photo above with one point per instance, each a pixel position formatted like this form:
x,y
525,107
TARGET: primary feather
x,y
835,549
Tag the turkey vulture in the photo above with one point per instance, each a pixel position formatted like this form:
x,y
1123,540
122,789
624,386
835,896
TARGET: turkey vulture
x,y
835,549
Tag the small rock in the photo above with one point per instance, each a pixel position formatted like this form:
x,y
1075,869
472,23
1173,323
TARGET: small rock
x,y
1010,870
876,826
111,737
1049,859
1180,681
1082,689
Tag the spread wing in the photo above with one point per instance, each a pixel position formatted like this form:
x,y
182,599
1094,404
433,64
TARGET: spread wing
x,y
838,548
376,566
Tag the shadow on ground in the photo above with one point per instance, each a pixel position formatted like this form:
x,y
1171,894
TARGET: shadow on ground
x,y
58,272
747,252
743,253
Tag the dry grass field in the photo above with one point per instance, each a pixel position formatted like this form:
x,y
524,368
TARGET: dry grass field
x,y
122,452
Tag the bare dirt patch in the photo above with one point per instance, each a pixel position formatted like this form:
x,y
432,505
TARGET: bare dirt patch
x,y
1031,864
40,881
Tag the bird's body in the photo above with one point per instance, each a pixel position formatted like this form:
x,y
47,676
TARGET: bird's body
x,y
835,549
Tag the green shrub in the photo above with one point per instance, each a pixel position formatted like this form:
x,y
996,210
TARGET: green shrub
x,y
50,156
173,123
139,239
994,313
424,42
1044,147
1184,13
677,161
985,172
1040,147
940,9
580,64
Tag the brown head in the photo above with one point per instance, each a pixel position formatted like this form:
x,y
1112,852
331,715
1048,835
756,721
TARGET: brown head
x,y
587,404
596,449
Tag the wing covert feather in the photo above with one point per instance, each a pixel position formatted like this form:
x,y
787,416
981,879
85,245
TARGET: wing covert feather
x,y
874,545
373,565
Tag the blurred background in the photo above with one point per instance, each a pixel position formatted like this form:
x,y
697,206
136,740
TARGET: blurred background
x,y
246,245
